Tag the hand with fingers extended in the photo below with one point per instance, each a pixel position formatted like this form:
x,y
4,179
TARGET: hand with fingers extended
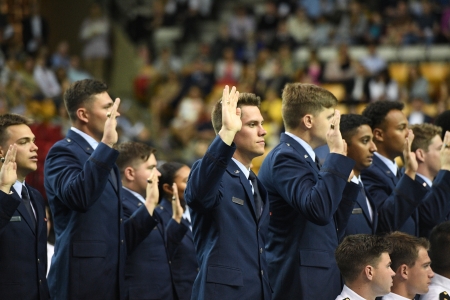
x,y
411,163
152,192
110,135
176,205
231,115
445,152
8,171
334,138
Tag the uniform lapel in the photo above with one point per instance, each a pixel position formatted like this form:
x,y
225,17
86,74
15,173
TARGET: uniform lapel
x,y
23,211
290,142
236,173
385,169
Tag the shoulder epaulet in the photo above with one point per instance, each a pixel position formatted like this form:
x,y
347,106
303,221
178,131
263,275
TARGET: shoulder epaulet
x,y
346,298
444,296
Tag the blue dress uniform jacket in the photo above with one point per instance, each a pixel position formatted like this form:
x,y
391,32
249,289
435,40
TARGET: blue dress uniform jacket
x,y
23,248
148,268
92,238
435,207
228,236
402,196
309,213
184,260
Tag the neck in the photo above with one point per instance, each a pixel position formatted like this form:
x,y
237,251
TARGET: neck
x,y
424,171
83,127
247,162
382,151
402,290
356,172
306,135
364,290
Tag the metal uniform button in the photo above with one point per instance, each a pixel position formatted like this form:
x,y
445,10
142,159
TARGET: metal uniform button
x,y
170,262
39,261
120,220
262,272
40,281
121,241
260,250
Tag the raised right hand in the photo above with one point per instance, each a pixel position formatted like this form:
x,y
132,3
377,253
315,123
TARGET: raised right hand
x,y
334,138
110,135
8,171
411,163
445,152
231,115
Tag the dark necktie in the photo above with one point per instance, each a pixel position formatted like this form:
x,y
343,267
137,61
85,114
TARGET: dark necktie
x,y
363,193
27,202
399,174
256,195
318,163
114,179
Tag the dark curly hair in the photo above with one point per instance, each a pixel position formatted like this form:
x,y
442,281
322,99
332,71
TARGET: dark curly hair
x,y
377,111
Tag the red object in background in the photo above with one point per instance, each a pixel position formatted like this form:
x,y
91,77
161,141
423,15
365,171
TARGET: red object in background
x,y
46,134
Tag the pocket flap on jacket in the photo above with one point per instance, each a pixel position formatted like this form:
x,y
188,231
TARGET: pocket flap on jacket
x,y
225,275
89,249
315,258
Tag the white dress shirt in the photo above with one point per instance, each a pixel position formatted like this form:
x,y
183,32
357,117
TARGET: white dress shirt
x,y
348,293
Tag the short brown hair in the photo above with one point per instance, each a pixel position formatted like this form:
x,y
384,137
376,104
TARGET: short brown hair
x,y
405,248
80,93
299,99
131,152
7,120
423,134
245,99
357,251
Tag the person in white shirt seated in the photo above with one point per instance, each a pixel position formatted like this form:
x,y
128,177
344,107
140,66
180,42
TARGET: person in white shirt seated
x,y
411,264
365,266
439,254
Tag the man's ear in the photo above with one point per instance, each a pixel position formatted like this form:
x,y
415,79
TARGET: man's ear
x,y
403,271
82,114
368,271
420,155
128,174
307,120
378,135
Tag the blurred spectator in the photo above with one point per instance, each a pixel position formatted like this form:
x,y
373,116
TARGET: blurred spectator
x,y
445,23
34,31
417,116
46,78
317,8
375,29
6,29
300,27
94,33
147,76
222,41
287,61
61,58
416,85
340,69
427,23
352,25
373,62
383,87
200,73
167,62
282,37
314,67
357,88
241,24
74,72
228,70
268,22
320,36
26,75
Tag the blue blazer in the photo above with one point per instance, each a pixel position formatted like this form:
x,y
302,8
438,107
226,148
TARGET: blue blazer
x,y
184,261
309,213
23,248
92,238
399,198
435,207
228,236
148,269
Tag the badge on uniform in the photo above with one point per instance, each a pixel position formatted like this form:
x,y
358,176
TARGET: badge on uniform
x,y
237,201
444,296
15,219
356,211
